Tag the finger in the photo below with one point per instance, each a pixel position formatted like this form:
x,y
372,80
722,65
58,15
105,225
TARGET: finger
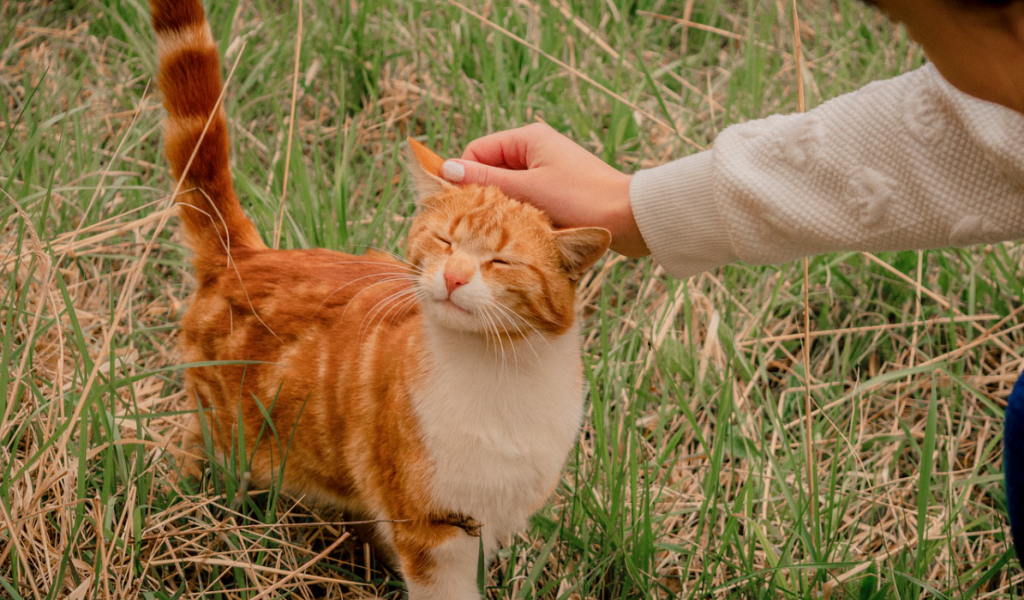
x,y
507,149
467,171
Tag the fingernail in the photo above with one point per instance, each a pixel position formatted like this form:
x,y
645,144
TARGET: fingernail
x,y
453,171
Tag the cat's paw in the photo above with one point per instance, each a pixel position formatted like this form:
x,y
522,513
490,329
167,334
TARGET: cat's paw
x,y
468,524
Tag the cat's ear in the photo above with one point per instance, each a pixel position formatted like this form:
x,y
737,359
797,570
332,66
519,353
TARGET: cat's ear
x,y
581,247
425,172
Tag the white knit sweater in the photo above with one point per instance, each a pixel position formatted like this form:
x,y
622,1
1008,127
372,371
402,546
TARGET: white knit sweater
x,y
907,163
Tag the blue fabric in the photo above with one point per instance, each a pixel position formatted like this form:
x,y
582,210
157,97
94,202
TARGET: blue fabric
x,y
1013,463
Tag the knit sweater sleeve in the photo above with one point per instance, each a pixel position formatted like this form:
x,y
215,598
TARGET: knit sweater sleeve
x,y
908,163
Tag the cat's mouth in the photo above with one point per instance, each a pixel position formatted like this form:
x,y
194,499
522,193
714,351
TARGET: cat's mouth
x,y
449,304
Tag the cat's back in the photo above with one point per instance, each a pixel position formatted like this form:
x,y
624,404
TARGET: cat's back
x,y
285,294
292,318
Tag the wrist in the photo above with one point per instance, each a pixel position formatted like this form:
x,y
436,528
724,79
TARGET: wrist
x,y
626,237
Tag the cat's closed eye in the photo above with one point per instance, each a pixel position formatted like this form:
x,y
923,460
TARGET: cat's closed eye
x,y
500,262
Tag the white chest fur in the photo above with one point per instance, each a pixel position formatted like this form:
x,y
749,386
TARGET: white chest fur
x,y
499,430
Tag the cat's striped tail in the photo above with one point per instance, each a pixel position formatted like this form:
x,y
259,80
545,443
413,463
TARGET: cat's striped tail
x,y
190,80
1013,463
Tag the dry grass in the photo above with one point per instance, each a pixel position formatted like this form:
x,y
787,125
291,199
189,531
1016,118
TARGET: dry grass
x,y
692,474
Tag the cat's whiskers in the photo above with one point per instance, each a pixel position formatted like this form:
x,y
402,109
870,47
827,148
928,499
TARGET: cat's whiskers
x,y
525,337
378,306
512,317
406,304
400,299
369,315
487,340
367,322
404,264
416,296
395,256
501,344
509,317
356,280
502,332
352,300
498,334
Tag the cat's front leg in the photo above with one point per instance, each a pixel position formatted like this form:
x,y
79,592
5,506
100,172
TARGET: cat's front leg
x,y
439,559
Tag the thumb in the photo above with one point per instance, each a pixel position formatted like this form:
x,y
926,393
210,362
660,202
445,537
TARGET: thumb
x,y
468,171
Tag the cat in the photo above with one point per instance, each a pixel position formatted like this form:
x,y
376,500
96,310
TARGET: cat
x,y
439,395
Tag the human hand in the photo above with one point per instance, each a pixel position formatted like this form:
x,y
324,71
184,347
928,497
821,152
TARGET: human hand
x,y
538,165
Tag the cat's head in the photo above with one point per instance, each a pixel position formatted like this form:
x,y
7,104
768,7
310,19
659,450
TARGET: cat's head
x,y
491,264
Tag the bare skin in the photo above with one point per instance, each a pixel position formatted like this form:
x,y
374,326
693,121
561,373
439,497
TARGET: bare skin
x,y
979,51
537,164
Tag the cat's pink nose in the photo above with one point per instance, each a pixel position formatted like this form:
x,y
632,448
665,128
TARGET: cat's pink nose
x,y
453,281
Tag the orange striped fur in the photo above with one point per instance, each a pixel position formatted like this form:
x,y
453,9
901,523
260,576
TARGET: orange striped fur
x,y
189,78
439,394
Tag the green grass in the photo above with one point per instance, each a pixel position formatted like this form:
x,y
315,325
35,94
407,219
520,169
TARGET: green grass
x,y
692,474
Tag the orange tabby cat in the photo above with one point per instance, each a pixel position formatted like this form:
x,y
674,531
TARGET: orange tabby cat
x,y
440,394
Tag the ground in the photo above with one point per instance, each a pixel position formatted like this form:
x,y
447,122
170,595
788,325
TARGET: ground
x,y
712,463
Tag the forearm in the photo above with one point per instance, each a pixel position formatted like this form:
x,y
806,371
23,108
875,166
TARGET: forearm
x,y
903,164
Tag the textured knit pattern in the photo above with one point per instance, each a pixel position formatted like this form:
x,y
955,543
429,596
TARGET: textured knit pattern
x,y
902,164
